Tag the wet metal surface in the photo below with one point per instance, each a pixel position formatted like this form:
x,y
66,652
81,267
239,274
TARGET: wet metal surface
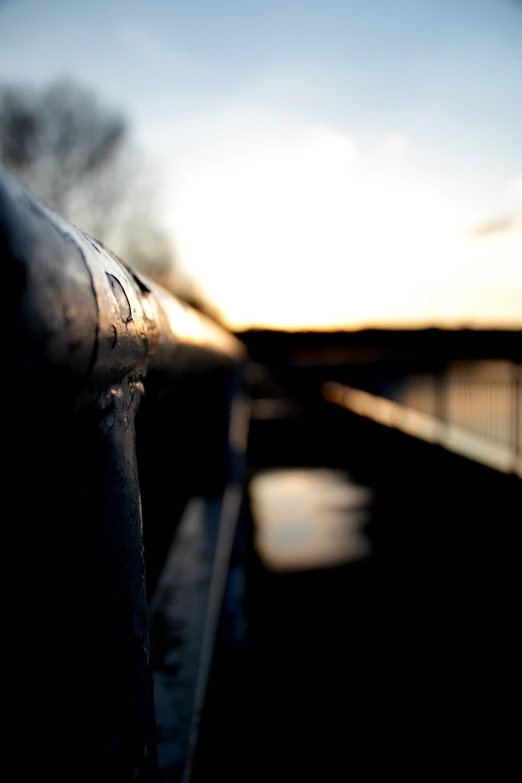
x,y
87,339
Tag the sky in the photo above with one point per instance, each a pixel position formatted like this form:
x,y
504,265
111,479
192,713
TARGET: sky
x,y
323,164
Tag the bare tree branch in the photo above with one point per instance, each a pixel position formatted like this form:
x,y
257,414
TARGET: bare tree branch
x,y
76,156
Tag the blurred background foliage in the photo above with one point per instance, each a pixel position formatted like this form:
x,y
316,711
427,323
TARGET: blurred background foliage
x,y
78,156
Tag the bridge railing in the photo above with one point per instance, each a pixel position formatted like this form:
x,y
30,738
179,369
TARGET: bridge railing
x,y
120,405
473,408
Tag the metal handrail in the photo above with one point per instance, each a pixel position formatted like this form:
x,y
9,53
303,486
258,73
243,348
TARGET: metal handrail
x,y
89,338
440,424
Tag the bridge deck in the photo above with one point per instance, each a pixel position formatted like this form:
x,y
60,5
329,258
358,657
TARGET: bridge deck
x,y
394,654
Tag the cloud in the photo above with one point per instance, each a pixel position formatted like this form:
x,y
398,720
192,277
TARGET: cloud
x,y
309,228
498,225
143,42
285,221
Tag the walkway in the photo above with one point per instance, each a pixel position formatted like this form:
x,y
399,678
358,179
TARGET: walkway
x,y
382,610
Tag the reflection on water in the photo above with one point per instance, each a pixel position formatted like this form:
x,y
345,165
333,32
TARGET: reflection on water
x,y
309,518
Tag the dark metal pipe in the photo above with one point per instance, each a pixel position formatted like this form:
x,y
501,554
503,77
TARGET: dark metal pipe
x,y
86,338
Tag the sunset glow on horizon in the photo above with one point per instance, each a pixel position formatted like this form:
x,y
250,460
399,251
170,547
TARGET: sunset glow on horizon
x,y
312,231
321,165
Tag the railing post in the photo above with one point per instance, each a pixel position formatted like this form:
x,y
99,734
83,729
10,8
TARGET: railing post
x,y
125,707
442,397
517,412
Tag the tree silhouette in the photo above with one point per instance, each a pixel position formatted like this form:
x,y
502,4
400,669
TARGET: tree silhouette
x,y
77,157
